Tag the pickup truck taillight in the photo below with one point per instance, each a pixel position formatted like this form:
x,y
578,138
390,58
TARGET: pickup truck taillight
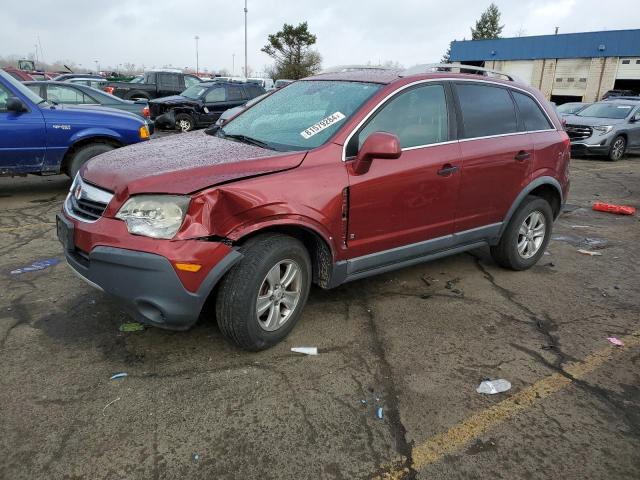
x,y
109,90
145,112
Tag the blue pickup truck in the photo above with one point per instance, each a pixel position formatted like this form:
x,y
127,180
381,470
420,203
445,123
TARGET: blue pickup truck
x,y
37,137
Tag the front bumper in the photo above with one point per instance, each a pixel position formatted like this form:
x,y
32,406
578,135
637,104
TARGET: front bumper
x,y
583,149
145,284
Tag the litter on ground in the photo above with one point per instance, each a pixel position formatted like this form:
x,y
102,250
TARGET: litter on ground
x,y
589,252
616,341
379,413
305,350
110,403
118,376
491,387
131,327
35,266
612,208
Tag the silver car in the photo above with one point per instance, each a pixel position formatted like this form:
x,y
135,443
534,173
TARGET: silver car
x,y
609,128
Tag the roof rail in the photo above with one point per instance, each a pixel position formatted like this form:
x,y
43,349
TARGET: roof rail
x,y
351,68
429,67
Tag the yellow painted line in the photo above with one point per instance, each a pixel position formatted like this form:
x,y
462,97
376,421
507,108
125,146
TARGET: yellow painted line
x,y
11,229
461,434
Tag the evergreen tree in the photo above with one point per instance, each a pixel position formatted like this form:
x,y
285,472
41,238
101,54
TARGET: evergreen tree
x,y
291,50
489,24
447,54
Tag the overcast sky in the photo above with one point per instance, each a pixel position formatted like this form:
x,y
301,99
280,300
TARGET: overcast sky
x,y
161,32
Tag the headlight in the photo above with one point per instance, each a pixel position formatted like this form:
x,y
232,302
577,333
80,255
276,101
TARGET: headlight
x,y
602,129
157,216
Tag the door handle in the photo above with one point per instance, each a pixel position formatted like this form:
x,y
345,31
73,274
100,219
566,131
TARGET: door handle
x,y
447,169
522,156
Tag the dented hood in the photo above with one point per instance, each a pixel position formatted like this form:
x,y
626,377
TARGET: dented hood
x,y
182,164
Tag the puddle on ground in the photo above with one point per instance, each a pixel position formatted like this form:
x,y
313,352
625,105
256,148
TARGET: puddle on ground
x,y
593,243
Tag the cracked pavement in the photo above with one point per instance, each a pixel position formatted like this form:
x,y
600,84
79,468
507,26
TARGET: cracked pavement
x,y
415,342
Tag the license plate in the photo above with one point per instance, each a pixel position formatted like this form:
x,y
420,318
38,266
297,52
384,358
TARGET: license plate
x,y
64,229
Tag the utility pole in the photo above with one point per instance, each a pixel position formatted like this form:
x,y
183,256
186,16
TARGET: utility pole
x,y
233,64
245,39
36,47
197,62
97,66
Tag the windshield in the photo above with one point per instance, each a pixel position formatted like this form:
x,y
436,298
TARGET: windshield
x,y
22,89
302,116
571,107
195,91
607,110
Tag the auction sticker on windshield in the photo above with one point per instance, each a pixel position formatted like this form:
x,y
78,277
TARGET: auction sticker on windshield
x,y
321,125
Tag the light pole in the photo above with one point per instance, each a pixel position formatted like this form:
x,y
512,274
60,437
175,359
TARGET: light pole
x,y
197,63
97,66
245,39
233,64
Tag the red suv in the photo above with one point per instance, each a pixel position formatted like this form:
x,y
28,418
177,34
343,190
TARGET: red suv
x,y
330,179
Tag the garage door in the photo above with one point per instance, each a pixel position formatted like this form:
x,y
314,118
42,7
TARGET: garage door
x,y
571,76
523,69
628,69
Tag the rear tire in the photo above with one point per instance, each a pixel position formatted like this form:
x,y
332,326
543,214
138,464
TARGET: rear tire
x,y
526,237
618,148
184,123
261,298
84,154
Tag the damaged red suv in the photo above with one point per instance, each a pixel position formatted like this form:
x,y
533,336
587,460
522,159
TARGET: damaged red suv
x,y
331,179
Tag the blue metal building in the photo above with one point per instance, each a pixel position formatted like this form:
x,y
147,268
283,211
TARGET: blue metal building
x,y
571,66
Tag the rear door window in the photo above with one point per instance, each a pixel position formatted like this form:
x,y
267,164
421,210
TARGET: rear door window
x,y
67,95
486,110
4,96
530,113
234,93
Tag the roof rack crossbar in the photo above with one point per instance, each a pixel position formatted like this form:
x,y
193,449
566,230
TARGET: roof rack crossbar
x,y
429,67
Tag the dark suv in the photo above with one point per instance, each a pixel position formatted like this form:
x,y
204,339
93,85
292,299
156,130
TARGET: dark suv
x,y
332,179
201,105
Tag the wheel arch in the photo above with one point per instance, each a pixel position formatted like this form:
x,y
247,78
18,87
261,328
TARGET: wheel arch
x,y
319,248
83,142
544,187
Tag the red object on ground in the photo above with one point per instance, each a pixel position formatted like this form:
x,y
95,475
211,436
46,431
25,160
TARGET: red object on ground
x,y
611,208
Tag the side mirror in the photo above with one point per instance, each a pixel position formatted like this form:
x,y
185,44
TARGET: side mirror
x,y
14,104
377,145
635,118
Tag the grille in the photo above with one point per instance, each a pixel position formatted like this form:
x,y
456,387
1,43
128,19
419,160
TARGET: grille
x,y
578,132
86,202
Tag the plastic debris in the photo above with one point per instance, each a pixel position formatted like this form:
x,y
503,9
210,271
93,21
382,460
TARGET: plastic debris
x,y
379,413
491,387
110,403
35,266
611,208
120,375
196,457
596,243
589,252
306,350
131,327
616,341
581,226
363,401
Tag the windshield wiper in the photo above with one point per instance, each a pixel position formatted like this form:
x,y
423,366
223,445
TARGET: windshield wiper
x,y
249,140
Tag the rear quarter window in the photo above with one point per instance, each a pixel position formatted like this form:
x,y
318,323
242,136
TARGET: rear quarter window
x,y
486,110
530,113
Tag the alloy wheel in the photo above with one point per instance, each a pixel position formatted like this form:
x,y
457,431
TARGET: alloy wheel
x,y
184,125
279,295
617,150
531,234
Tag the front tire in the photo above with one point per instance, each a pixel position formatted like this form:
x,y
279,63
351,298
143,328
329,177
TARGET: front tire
x,y
184,123
526,237
262,297
618,148
84,154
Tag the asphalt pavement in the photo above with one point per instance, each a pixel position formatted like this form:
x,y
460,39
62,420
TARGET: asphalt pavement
x,y
414,343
